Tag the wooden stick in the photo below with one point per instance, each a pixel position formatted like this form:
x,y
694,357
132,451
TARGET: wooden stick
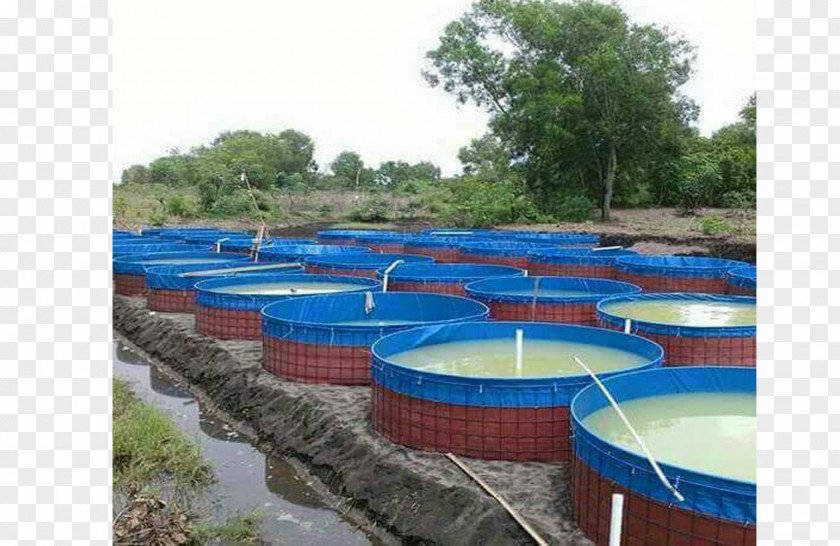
x,y
514,514
240,269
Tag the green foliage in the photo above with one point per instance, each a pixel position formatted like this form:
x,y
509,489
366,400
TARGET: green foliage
x,y
698,177
487,158
240,529
391,174
177,204
374,209
119,206
572,88
136,174
712,225
149,447
157,218
576,208
349,171
478,203
240,204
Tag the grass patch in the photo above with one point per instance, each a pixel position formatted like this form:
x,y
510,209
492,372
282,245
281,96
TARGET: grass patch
x,y
149,448
364,225
242,529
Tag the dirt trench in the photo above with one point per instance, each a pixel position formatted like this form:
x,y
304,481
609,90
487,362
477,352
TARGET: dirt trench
x,y
419,497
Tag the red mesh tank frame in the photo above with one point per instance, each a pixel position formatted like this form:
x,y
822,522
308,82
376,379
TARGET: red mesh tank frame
x,y
647,522
170,301
542,269
702,351
583,313
227,323
454,289
733,290
319,270
515,434
440,255
522,262
127,284
317,364
657,283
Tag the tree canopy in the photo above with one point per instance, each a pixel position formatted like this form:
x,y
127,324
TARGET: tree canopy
x,y
575,90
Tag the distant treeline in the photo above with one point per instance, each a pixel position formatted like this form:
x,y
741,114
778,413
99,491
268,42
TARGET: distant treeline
x,y
585,112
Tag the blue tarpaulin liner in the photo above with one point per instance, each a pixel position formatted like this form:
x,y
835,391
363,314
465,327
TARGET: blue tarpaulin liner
x,y
122,250
715,496
296,253
124,241
676,266
136,264
579,256
439,242
159,230
171,277
384,238
500,248
178,234
206,294
603,310
240,244
494,290
213,237
744,277
507,392
448,273
456,232
364,261
340,236
120,232
559,238
313,319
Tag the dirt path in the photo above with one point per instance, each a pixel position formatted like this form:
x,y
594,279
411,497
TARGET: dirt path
x,y
421,497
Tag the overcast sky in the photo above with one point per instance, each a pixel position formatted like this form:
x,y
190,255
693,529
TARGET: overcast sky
x,y
347,73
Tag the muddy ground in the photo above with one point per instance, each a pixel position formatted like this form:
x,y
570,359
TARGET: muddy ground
x,y
420,497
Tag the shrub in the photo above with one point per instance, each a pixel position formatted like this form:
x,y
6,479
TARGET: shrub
x,y
480,203
712,225
178,205
120,206
157,218
374,209
738,200
325,209
699,176
577,208
239,203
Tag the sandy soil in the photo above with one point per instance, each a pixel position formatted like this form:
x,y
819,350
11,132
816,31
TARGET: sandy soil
x,y
421,497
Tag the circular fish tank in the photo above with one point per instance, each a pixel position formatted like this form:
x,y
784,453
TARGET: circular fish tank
x,y
171,288
456,232
244,245
327,339
299,253
152,247
457,388
130,270
559,238
442,249
699,425
741,281
676,273
576,262
442,278
358,265
348,236
391,243
694,329
509,253
229,308
569,300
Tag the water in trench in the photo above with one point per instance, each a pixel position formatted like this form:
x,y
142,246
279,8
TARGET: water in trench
x,y
247,479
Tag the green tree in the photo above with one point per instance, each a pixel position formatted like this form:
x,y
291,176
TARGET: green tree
x,y
136,174
486,157
349,171
391,174
176,169
575,89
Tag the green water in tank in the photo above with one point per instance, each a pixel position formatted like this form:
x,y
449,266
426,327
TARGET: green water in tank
x,y
712,433
686,312
497,358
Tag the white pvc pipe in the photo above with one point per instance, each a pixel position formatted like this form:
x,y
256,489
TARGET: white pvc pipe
x,y
596,249
636,437
520,343
627,325
219,244
616,517
388,272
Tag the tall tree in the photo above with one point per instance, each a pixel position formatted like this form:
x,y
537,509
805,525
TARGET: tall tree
x,y
575,89
136,174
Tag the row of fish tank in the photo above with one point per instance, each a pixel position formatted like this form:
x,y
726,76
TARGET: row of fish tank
x,y
500,357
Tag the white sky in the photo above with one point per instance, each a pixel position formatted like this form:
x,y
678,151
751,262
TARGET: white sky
x,y
347,73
